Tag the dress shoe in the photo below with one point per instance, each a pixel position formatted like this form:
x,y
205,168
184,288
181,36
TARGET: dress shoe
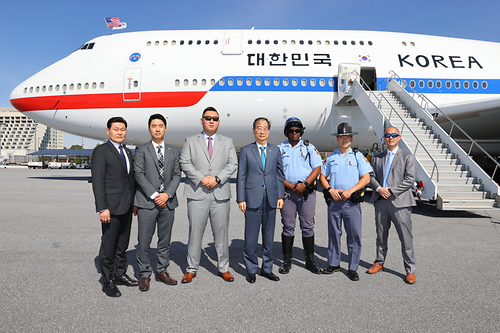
x,y
226,276
270,276
188,277
165,278
331,269
144,285
126,280
353,275
410,278
251,278
375,268
111,289
311,266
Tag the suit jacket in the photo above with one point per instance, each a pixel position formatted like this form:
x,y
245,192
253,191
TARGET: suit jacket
x,y
147,174
252,177
113,187
196,165
400,180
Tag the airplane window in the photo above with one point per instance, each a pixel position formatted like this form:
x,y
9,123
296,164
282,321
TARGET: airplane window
x,y
258,82
484,84
71,86
177,83
267,41
174,42
165,42
31,89
457,84
285,82
186,82
276,82
203,82
240,82
327,42
295,82
404,43
230,82
258,41
353,42
430,84
136,84
157,43
475,84
303,82
344,42
190,42
275,42
64,87
438,84
310,42
182,42
466,84
25,90
212,82
322,82
207,42
37,89
370,43
313,82
57,88
421,84
221,82
448,84
216,42
292,42
84,47
301,42
267,82
249,82
249,41
318,42
412,44
79,86
43,88
94,85
283,42
336,42
50,88
412,84
330,82
361,42
195,82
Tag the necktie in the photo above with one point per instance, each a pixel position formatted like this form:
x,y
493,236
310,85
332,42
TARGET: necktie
x,y
123,156
210,149
161,163
388,167
263,156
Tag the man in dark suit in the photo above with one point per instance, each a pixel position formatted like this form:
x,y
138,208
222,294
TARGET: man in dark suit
x,y
158,174
392,180
113,184
260,191
208,160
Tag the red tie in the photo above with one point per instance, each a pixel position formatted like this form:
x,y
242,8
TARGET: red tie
x,y
210,149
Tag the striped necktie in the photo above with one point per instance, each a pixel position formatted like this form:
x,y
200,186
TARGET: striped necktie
x,y
161,164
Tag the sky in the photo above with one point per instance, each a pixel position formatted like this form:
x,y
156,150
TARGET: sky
x,y
35,34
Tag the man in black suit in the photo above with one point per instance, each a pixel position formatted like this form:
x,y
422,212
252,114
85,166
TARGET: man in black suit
x,y
114,187
158,174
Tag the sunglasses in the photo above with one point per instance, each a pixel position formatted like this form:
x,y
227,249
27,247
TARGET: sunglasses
x,y
292,130
393,135
208,118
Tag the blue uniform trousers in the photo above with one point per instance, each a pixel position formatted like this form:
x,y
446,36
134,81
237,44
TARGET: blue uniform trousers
x,y
350,213
293,205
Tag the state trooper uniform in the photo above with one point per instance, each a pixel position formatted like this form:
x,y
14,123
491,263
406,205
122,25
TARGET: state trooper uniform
x,y
344,172
299,161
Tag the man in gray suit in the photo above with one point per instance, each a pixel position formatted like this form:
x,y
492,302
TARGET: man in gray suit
x,y
158,174
260,191
392,180
208,160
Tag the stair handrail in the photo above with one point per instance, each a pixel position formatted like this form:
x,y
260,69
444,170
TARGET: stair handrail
x,y
367,88
473,142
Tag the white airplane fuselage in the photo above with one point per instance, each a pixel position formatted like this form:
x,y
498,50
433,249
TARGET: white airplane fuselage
x,y
245,74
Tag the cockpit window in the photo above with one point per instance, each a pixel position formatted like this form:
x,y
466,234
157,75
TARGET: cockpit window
x,y
88,46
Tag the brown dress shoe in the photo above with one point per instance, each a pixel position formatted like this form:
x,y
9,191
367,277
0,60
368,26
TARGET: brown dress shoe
x,y
375,268
226,276
188,277
410,278
165,278
144,284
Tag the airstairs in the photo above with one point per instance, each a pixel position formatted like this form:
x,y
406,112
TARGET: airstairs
x,y
446,174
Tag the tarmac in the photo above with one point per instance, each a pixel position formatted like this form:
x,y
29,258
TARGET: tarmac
x,y
50,236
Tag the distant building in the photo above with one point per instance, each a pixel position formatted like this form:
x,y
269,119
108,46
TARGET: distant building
x,y
20,135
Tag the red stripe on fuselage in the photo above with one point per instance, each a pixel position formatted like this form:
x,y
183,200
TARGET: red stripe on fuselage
x,y
108,101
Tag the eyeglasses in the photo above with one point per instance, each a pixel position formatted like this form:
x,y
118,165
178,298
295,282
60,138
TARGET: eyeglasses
x,y
393,135
294,130
261,129
208,118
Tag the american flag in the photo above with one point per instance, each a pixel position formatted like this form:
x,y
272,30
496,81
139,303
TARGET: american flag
x,y
113,22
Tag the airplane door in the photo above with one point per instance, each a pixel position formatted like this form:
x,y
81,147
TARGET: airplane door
x,y
232,42
369,75
132,85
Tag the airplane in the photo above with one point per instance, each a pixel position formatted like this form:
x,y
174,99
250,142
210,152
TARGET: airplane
x,y
245,74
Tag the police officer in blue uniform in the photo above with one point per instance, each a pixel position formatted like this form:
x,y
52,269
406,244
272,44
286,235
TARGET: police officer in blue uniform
x,y
301,165
348,171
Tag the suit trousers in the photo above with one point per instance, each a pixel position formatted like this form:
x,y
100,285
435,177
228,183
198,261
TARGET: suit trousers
x,y
264,215
293,205
148,220
350,213
114,243
198,213
385,212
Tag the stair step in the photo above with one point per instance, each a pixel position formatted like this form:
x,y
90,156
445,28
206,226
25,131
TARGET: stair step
x,y
442,188
458,204
456,180
442,168
476,195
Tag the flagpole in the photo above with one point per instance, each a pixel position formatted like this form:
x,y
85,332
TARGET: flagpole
x,y
109,31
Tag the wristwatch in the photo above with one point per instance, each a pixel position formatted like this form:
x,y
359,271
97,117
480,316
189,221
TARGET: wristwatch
x,y
217,179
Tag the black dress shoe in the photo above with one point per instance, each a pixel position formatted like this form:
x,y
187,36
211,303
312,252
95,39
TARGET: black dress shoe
x,y
126,280
353,275
251,278
111,289
331,269
270,276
